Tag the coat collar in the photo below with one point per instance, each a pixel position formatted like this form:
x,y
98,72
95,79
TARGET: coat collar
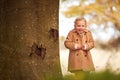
x,y
85,31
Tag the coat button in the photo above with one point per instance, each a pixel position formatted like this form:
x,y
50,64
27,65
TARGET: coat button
x,y
77,54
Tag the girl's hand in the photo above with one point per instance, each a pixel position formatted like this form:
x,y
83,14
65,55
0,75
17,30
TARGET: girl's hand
x,y
78,46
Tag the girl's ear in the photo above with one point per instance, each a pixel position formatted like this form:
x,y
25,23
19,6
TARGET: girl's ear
x,y
86,25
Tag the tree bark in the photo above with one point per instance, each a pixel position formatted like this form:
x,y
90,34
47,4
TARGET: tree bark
x,y
22,23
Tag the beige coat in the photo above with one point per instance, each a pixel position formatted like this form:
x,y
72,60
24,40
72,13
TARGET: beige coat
x,y
79,59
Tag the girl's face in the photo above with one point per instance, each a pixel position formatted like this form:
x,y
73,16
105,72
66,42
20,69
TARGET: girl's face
x,y
80,25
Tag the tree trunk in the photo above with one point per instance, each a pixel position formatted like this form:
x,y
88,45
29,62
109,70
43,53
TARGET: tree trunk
x,y
23,23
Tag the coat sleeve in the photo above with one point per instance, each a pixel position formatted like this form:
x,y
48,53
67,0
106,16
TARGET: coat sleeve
x,y
90,41
69,43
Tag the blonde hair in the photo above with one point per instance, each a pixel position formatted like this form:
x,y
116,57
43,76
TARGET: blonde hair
x,y
80,19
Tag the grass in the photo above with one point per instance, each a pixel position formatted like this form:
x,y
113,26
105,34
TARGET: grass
x,y
106,75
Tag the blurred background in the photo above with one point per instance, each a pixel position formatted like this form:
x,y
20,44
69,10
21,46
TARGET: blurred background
x,y
103,17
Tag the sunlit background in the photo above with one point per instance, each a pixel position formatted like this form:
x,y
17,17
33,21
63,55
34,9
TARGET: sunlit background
x,y
103,17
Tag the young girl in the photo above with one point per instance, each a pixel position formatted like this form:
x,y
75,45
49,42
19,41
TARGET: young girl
x,y
79,42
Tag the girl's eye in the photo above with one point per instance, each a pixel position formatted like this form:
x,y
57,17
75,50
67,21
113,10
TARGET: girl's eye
x,y
82,25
